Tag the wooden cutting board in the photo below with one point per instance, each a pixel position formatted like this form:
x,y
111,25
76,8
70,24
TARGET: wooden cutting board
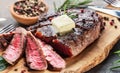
x,y
89,58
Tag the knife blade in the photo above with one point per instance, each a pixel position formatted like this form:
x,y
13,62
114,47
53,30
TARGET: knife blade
x,y
2,19
115,13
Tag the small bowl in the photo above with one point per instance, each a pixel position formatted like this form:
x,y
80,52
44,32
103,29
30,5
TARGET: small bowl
x,y
24,19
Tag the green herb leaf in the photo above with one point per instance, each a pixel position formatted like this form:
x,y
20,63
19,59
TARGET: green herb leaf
x,y
114,67
117,52
55,8
117,61
72,15
72,4
62,6
84,2
3,64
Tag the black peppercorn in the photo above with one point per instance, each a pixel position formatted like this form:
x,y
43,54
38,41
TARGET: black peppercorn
x,y
106,18
113,21
15,69
83,20
115,26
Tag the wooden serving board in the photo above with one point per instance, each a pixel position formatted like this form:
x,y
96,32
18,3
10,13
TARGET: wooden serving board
x,y
89,58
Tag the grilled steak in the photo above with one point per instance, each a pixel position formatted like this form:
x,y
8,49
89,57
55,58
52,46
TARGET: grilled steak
x,y
73,44
87,30
5,40
34,55
54,60
15,48
46,33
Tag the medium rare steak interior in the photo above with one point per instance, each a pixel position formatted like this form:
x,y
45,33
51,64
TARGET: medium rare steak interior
x,y
34,55
15,49
88,26
55,62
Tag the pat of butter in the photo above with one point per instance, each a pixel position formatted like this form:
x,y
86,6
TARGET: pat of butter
x,y
63,23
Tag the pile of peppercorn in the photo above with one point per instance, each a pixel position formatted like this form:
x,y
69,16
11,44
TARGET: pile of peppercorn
x,y
29,8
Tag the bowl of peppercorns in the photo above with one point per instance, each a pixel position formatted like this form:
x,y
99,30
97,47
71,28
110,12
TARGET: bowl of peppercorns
x,y
27,12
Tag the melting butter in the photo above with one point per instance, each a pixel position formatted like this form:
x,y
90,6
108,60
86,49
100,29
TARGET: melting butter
x,y
63,24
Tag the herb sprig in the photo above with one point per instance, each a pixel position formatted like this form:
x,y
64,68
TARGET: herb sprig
x,y
3,64
116,62
73,4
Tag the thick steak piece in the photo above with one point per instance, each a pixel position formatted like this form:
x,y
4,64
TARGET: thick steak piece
x,y
15,49
87,30
54,60
72,44
34,55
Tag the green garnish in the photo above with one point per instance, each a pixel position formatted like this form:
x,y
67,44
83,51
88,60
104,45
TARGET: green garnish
x,y
114,67
72,15
117,52
55,8
3,64
73,4
117,62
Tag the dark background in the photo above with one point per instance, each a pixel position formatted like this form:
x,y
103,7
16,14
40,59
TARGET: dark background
x,y
104,67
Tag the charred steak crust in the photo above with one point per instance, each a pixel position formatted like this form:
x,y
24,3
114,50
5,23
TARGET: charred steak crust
x,y
34,55
73,44
15,49
55,62
87,30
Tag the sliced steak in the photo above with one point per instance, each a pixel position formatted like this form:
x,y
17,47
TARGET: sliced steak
x,y
54,60
5,39
4,43
15,49
34,55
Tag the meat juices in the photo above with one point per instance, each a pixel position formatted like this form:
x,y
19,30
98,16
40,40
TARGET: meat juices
x,y
34,55
54,60
15,49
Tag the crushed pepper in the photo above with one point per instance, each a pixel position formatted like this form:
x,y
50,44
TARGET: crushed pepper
x,y
29,8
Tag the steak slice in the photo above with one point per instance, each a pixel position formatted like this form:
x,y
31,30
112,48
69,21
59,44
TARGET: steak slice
x,y
15,48
5,39
34,55
54,60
